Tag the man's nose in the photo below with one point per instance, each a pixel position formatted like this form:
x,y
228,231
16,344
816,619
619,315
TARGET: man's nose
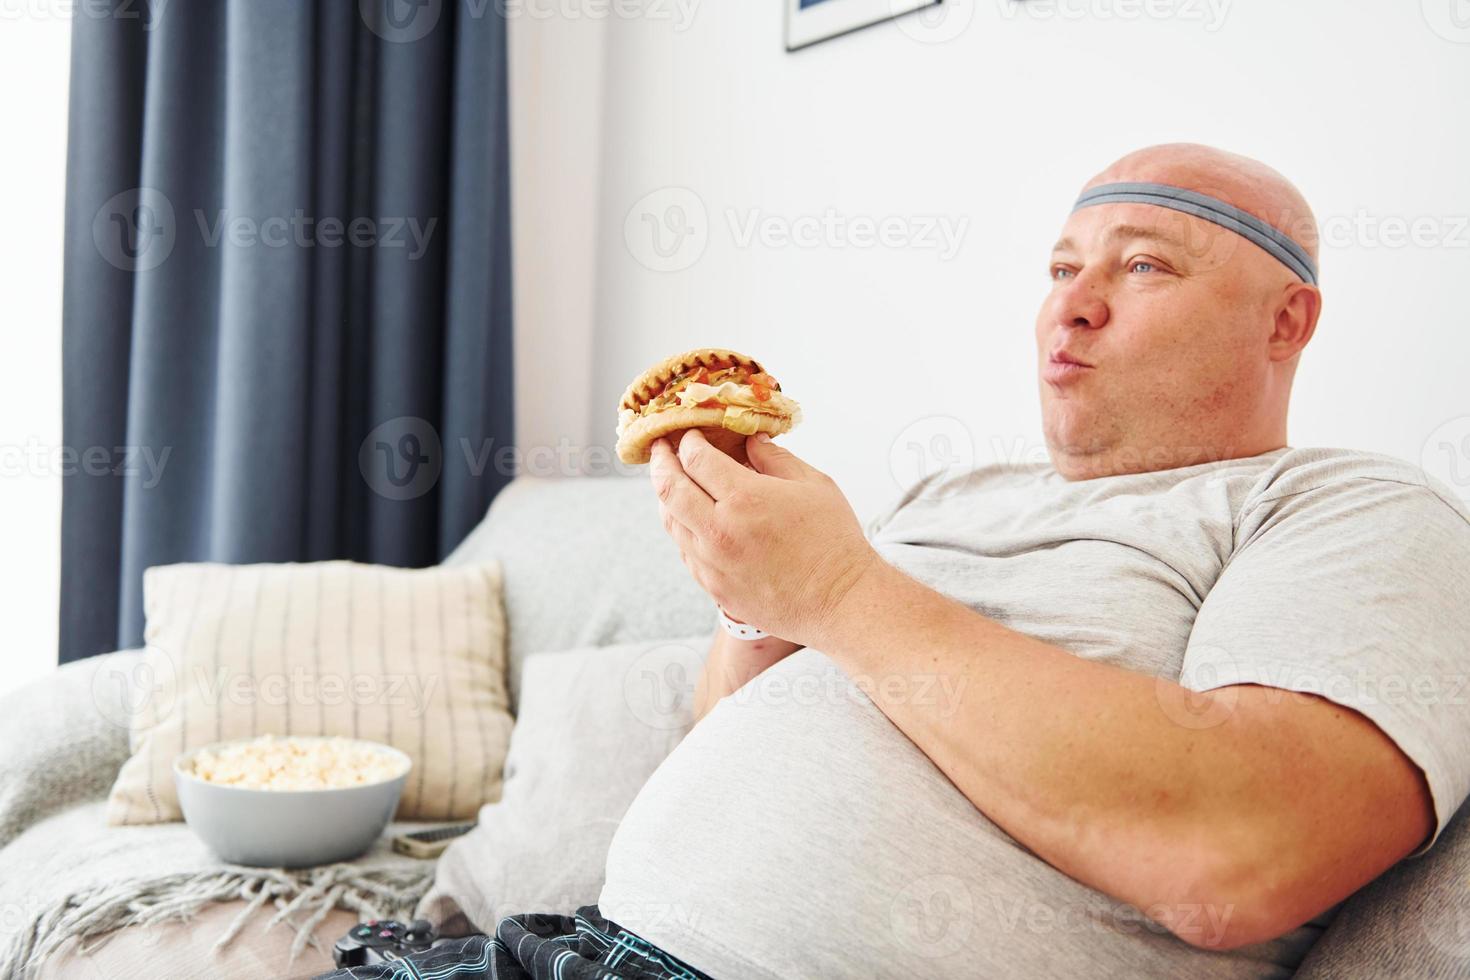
x,y
1081,303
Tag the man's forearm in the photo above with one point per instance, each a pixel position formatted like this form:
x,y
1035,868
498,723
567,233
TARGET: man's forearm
x,y
731,663
1102,772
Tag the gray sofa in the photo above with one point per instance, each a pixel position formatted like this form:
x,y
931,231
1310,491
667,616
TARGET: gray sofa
x,y
586,563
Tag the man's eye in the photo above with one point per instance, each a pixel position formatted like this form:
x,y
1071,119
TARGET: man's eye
x,y
1144,264
1060,272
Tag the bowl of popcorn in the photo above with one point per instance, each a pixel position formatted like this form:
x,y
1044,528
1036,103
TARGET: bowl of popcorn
x,y
290,802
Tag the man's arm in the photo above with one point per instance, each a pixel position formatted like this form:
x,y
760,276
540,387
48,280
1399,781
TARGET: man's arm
x,y
1230,816
731,663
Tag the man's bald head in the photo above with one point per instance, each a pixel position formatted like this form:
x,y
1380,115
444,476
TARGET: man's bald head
x,y
1187,332
1247,184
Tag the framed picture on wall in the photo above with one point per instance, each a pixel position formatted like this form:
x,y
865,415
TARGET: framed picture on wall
x,y
810,21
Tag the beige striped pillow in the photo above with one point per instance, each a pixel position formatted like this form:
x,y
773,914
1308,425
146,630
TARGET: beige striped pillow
x,y
414,658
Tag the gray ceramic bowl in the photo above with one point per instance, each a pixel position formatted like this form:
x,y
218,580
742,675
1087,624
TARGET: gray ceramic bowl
x,y
287,828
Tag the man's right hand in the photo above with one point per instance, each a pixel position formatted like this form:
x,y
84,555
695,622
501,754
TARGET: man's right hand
x,y
732,663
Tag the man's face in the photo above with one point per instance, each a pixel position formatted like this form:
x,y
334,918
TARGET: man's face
x,y
1152,342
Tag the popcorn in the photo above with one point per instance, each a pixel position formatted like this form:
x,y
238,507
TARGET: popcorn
x,y
271,762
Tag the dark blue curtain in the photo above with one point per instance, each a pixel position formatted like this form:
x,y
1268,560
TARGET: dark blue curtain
x,y
287,319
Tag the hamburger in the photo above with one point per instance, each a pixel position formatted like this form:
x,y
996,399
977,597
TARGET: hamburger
x,y
722,392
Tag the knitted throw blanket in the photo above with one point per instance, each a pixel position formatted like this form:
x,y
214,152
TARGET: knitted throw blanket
x,y
301,901
140,876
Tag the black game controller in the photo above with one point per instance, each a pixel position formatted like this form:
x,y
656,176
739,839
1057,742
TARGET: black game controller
x,y
383,941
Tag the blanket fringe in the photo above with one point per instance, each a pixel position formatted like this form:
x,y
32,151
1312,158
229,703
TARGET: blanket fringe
x,y
93,917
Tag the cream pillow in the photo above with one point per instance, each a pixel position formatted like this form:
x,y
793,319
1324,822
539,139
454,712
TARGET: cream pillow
x,y
543,846
414,658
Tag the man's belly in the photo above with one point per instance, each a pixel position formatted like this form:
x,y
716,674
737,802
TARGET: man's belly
x,y
796,833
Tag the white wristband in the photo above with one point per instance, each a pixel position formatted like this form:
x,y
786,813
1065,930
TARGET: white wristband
x,y
741,631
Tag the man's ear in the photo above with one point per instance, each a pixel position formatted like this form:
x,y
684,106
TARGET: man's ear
x,y
1296,320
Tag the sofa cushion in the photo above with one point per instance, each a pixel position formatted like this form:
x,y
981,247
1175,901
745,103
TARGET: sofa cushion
x,y
586,563
1413,921
64,737
413,658
593,726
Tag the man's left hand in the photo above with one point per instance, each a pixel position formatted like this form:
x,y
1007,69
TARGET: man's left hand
x,y
776,545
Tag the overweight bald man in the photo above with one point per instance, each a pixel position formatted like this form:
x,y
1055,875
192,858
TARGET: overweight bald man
x,y
1152,710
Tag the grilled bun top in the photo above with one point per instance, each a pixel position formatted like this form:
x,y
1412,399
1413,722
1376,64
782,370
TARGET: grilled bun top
x,y
647,385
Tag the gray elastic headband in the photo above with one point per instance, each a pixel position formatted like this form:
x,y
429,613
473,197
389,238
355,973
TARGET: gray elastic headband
x,y
1247,225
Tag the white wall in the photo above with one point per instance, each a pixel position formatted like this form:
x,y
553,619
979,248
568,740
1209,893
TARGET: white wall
x,y
991,113
555,123
35,41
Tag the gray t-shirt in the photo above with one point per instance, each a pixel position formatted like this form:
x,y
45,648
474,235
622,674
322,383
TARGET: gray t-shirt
x,y
797,833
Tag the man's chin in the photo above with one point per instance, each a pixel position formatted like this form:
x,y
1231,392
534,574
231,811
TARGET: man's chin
x,y
1079,451
1072,427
